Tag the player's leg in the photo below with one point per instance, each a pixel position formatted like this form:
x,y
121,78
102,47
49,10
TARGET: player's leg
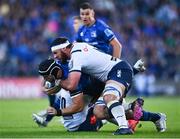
x,y
43,118
101,112
139,66
159,119
91,123
113,92
133,112
118,84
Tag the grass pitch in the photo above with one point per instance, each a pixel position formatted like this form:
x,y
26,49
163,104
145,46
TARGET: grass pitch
x,y
16,121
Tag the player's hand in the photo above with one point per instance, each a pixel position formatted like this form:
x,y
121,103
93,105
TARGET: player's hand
x,y
51,87
52,90
140,65
52,111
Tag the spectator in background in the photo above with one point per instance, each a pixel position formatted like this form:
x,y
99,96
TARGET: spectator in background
x,y
77,23
130,19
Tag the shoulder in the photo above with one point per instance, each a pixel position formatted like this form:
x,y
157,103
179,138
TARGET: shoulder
x,y
64,93
101,24
78,46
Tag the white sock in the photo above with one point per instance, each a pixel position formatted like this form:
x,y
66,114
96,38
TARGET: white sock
x,y
118,112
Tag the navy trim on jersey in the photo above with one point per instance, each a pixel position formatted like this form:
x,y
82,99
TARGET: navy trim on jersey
x,y
75,70
74,93
114,105
111,38
113,58
110,88
75,51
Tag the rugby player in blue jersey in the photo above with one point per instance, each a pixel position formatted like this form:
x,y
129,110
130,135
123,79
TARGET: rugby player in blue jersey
x,y
97,33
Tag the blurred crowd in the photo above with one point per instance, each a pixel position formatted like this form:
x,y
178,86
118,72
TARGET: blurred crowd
x,y
146,28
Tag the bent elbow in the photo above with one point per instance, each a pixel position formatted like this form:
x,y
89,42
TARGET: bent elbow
x,y
79,107
71,87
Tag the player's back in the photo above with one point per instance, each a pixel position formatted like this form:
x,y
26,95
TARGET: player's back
x,y
90,60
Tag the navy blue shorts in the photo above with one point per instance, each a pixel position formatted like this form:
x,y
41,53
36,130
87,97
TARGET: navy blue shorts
x,y
88,124
122,73
94,88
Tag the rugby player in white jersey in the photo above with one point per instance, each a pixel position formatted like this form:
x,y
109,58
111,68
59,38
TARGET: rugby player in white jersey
x,y
117,75
70,105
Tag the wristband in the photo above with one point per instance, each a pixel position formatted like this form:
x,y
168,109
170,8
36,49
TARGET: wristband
x,y
59,112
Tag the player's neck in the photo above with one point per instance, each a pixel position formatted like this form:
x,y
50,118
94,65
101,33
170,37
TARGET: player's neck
x,y
92,22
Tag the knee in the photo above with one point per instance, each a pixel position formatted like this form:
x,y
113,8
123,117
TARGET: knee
x,y
109,97
99,112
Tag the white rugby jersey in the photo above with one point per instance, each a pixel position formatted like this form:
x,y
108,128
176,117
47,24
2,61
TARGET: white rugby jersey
x,y
89,60
71,122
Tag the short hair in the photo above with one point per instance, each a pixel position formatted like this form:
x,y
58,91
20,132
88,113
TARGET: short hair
x,y
49,67
58,41
86,5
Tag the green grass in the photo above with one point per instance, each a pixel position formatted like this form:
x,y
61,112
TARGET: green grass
x,y
16,121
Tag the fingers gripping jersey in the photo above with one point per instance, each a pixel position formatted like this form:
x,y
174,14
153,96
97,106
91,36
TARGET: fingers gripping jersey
x,y
91,61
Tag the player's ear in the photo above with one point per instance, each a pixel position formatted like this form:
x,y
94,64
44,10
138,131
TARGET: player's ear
x,y
93,13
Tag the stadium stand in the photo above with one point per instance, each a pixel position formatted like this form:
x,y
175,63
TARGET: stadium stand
x,y
148,29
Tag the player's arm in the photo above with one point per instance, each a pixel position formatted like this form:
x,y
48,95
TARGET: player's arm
x,y
77,105
108,36
50,87
52,90
72,81
117,47
75,65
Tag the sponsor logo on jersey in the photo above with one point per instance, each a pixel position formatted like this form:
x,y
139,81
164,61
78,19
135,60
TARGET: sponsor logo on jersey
x,y
108,32
85,49
81,34
93,34
86,39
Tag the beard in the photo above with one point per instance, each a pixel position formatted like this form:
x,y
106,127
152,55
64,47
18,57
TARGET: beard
x,y
64,58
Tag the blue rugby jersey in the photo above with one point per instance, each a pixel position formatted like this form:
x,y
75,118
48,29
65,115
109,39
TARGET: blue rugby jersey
x,y
99,35
64,68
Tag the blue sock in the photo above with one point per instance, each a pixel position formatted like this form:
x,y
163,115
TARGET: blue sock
x,y
49,118
51,99
54,102
149,116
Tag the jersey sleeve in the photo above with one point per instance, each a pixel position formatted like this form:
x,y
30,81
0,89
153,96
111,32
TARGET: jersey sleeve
x,y
75,93
105,32
75,64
